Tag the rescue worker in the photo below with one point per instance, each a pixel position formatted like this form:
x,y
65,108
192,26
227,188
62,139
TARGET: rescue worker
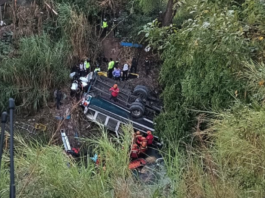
x,y
87,66
58,97
143,146
138,137
125,71
116,73
147,66
134,65
149,138
97,69
134,151
114,92
110,68
104,27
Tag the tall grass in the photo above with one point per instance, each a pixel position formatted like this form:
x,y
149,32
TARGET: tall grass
x,y
30,77
229,162
45,171
75,29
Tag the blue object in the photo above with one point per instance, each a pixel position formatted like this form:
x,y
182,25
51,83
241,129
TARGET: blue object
x,y
76,135
125,44
61,118
94,158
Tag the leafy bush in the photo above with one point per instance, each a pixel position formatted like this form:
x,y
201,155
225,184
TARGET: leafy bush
x,y
201,63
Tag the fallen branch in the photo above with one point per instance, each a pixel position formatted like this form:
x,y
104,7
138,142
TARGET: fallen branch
x,y
51,8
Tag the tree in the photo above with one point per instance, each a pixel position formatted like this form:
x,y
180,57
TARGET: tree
x,y
169,14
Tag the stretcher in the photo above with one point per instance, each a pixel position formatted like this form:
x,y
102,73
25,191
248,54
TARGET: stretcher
x,y
137,163
130,75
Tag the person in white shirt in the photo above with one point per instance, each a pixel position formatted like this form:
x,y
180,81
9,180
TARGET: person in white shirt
x,y
82,68
125,71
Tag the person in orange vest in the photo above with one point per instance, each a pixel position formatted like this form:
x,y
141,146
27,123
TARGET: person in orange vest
x,y
149,138
134,151
143,146
139,137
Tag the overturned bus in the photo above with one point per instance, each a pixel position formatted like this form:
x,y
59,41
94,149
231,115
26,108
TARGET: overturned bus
x,y
136,105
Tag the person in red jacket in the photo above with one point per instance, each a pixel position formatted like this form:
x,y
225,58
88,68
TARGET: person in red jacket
x,y
114,92
139,138
149,138
143,146
134,151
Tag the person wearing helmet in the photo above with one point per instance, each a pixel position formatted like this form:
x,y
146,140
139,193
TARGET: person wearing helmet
x,y
134,151
110,68
143,146
97,69
149,138
139,137
104,27
114,92
87,66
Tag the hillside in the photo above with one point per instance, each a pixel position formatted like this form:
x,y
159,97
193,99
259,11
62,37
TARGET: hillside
x,y
207,65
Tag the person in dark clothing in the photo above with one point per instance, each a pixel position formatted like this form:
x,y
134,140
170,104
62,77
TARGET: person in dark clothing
x,y
115,23
147,66
160,18
134,65
58,98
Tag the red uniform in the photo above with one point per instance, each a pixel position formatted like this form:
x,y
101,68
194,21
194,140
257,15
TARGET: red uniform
x,y
150,139
134,153
114,92
142,149
139,139
143,146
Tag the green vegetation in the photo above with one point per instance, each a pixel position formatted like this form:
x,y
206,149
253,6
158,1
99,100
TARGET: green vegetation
x,y
45,171
213,80
202,61
40,66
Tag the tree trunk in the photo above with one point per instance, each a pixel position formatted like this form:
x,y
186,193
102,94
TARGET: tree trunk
x,y
169,13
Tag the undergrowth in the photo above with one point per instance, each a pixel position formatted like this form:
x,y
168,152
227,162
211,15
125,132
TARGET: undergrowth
x,y
29,77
